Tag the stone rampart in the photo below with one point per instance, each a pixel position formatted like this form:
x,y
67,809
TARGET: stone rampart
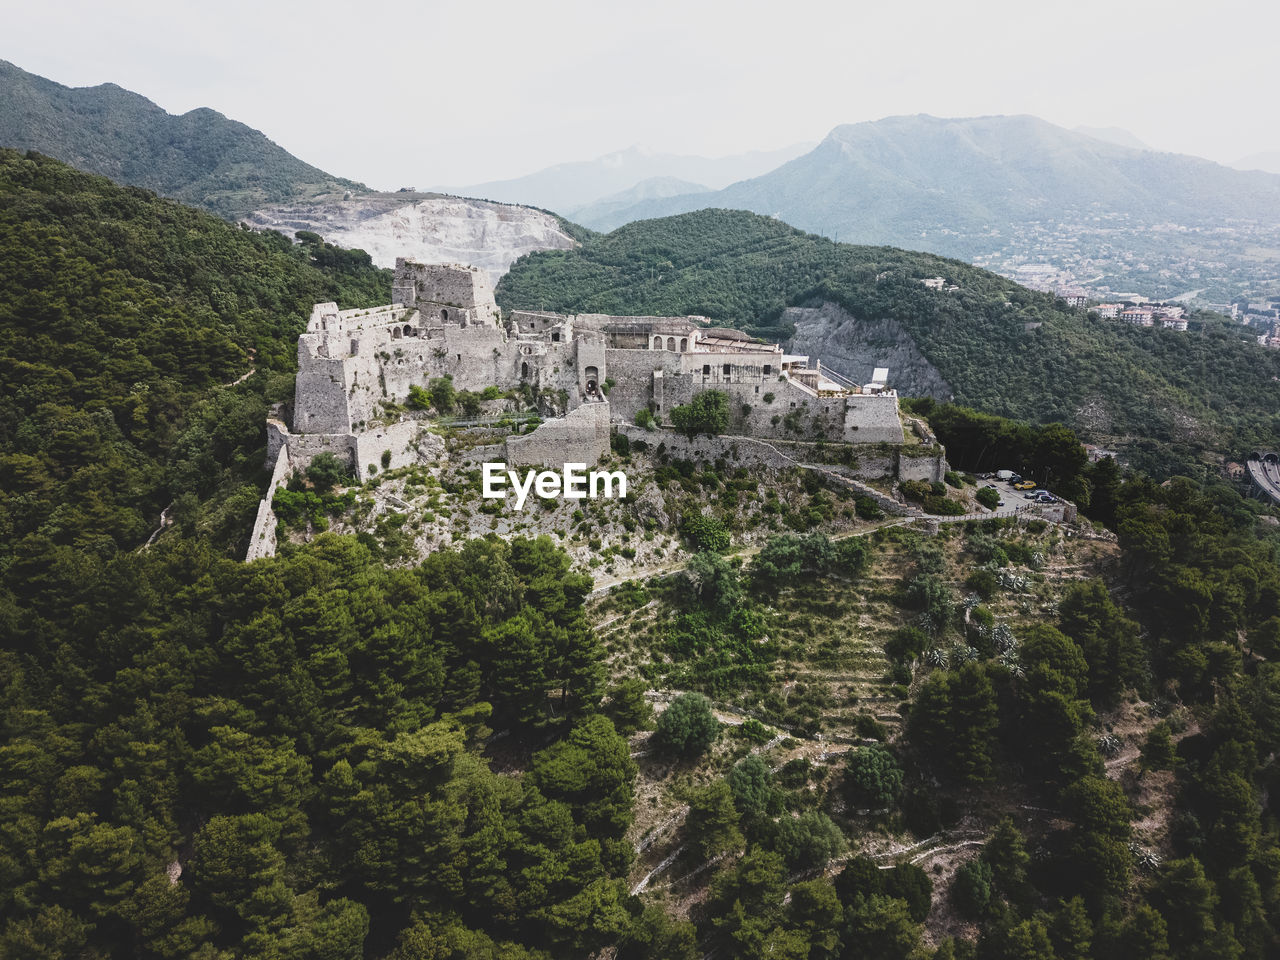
x,y
262,542
581,436
931,469
769,455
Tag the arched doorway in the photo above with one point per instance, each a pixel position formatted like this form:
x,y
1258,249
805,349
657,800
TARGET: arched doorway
x,y
524,371
657,343
593,380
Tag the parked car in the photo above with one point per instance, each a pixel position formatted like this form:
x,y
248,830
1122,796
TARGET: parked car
x,y
1031,496
1024,485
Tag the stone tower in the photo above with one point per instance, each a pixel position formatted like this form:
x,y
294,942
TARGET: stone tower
x,y
445,293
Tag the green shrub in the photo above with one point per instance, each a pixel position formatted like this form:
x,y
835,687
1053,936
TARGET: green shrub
x,y
688,726
971,889
988,497
755,731
872,778
705,533
326,471
442,393
419,399
867,508
707,412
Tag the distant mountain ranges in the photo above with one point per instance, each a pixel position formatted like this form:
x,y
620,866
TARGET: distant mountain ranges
x,y
1090,206
631,175
209,161
939,184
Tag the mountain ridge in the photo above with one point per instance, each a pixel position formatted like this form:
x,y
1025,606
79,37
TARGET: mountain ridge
x,y
565,187
200,157
1004,191
954,160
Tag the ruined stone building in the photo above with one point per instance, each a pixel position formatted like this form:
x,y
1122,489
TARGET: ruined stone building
x,y
595,370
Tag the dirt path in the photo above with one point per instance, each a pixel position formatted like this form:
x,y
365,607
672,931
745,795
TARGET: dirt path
x,y
236,383
164,522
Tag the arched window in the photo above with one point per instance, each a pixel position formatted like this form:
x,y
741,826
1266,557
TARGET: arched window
x,y
408,330
684,344
395,333
444,314
657,343
671,344
524,371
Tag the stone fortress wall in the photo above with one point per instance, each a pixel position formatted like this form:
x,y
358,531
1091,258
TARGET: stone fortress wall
x,y
600,370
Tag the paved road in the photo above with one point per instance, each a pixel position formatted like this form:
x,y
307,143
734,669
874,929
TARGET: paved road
x,y
1266,475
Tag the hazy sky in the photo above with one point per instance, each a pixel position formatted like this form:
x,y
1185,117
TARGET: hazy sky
x,y
444,93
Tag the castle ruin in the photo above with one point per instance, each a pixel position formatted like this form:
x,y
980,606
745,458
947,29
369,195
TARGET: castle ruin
x,y
356,368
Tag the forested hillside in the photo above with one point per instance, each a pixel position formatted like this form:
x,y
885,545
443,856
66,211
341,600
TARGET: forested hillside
x,y
200,157
1164,395
208,759
321,755
123,319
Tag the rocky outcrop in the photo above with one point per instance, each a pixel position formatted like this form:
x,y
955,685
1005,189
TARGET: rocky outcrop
x,y
432,230
855,347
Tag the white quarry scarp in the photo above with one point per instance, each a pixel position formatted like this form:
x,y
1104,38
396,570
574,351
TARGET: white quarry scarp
x,y
490,236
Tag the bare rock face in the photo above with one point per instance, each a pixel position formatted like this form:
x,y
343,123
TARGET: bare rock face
x,y
434,229
855,347
651,507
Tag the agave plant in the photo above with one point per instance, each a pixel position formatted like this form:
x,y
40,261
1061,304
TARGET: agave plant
x,y
1146,860
936,657
1110,745
968,655
1003,637
1011,662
